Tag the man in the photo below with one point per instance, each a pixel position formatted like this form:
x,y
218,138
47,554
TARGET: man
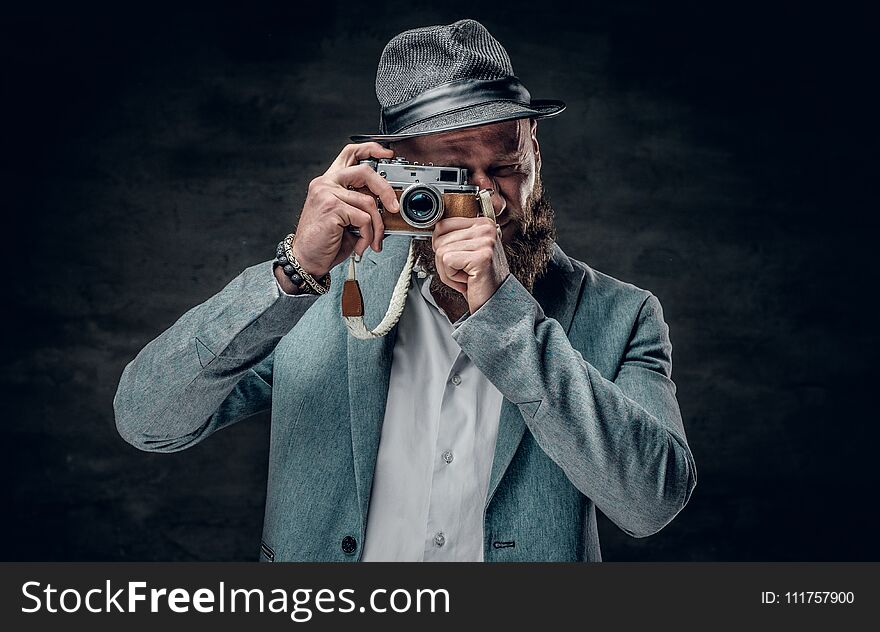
x,y
519,390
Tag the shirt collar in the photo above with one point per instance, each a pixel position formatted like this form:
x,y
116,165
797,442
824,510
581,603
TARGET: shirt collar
x,y
425,289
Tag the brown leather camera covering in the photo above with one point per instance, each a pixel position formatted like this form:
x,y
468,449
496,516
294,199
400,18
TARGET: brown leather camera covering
x,y
454,205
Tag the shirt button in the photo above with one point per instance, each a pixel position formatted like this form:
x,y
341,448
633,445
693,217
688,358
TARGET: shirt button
x,y
440,538
448,456
456,379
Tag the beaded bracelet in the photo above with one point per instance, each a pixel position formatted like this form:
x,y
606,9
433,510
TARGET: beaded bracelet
x,y
295,272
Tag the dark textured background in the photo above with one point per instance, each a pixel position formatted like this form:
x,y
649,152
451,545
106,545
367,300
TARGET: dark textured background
x,y
714,153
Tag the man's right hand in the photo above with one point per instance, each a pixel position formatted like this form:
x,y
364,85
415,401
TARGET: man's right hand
x,y
322,240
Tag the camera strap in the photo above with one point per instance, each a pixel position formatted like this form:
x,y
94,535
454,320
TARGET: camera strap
x,y
353,300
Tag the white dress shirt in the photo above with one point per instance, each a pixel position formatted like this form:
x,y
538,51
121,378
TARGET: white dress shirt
x,y
437,444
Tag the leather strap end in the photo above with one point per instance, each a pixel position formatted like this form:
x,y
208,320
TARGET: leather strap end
x,y
352,300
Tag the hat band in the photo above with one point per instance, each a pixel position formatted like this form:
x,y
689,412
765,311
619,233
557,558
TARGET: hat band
x,y
449,97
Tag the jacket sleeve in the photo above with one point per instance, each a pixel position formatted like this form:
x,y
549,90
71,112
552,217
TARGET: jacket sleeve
x,y
211,368
622,442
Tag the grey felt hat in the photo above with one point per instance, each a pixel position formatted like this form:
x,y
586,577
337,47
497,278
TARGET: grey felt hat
x,y
442,78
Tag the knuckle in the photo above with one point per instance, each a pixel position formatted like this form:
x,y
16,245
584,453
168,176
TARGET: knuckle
x,y
326,199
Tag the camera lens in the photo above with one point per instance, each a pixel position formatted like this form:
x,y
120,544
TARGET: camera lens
x,y
421,206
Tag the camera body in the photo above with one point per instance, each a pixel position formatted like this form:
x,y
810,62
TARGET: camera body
x,y
427,194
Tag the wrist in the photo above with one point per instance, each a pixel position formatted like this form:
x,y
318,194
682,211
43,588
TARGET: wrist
x,y
305,264
296,275
287,286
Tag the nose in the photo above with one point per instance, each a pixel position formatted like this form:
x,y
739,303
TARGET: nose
x,y
499,204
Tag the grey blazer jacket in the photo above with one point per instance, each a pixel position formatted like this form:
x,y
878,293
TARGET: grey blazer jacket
x,y
589,417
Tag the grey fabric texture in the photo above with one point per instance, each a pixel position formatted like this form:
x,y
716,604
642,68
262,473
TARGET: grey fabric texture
x,y
430,56
210,359
423,58
589,418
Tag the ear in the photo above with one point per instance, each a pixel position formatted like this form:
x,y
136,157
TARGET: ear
x,y
533,136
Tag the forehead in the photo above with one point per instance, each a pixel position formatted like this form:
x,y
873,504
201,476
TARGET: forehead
x,y
505,139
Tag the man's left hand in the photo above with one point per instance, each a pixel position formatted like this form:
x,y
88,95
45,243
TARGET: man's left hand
x,y
470,258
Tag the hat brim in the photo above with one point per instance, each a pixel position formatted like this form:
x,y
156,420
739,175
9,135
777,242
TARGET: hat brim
x,y
473,116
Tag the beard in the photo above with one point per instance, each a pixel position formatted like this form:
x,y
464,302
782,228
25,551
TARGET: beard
x,y
528,252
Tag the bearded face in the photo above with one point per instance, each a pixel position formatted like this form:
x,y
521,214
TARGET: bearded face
x,y
528,250
504,157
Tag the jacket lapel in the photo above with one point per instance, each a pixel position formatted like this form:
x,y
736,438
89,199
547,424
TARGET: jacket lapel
x,y
557,292
369,362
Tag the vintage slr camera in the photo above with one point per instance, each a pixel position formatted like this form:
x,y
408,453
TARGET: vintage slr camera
x,y
427,194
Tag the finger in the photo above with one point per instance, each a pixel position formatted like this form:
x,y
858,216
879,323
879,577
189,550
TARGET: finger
x,y
457,263
357,199
448,275
353,153
466,245
349,241
362,175
445,234
458,286
461,276
358,218
449,224
366,203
